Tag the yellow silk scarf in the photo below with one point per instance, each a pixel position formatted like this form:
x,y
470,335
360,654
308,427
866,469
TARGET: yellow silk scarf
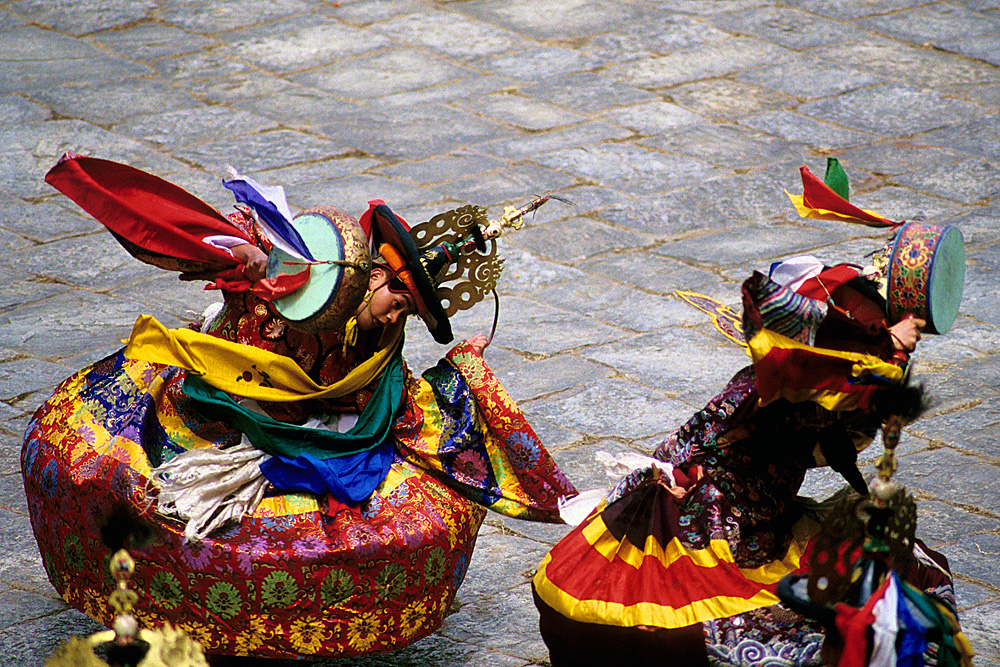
x,y
248,371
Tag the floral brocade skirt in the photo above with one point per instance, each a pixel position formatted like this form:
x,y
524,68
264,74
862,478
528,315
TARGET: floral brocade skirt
x,y
294,578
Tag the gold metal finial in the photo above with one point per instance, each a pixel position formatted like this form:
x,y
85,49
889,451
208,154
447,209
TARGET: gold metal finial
x,y
476,270
167,646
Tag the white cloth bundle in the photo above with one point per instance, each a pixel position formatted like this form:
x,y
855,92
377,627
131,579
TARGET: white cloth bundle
x,y
209,487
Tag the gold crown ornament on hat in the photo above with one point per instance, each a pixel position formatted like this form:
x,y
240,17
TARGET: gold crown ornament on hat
x,y
448,263
462,243
126,643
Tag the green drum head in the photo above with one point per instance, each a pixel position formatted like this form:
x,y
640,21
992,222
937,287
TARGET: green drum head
x,y
326,244
947,281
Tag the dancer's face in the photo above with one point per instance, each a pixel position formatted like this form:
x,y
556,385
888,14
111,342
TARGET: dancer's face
x,y
381,306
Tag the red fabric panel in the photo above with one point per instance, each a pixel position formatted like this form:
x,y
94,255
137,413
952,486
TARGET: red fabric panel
x,y
817,194
784,369
823,285
144,209
581,571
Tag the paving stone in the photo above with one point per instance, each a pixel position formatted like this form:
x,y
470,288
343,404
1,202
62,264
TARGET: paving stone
x,y
525,272
741,246
652,273
303,44
521,112
696,8
520,554
668,33
265,150
114,102
445,92
417,133
967,181
583,199
65,59
908,64
548,326
187,69
702,62
979,138
33,149
151,41
452,35
20,563
94,261
262,88
982,370
805,130
504,628
983,47
652,118
934,23
680,362
433,651
940,523
382,73
979,226
891,110
894,157
556,19
569,241
28,642
19,111
634,170
621,305
710,205
8,20
723,146
849,9
556,438
26,375
727,100
20,606
809,78
66,324
969,595
988,96
538,63
210,19
80,18
11,242
614,407
788,27
529,380
443,168
190,127
334,166
517,185
584,134
898,203
973,557
954,477
586,92
352,193
979,625
580,466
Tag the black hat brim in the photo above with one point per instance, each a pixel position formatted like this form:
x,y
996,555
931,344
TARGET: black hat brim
x,y
390,229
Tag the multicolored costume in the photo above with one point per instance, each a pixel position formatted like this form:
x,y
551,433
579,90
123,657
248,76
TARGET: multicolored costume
x,y
302,573
682,559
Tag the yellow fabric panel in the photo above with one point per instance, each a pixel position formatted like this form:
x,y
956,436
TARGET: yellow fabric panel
x,y
224,364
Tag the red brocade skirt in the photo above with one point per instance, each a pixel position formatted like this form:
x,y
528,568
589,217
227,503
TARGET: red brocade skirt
x,y
295,578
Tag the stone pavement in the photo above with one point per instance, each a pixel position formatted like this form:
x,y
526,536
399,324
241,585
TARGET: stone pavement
x,y
673,133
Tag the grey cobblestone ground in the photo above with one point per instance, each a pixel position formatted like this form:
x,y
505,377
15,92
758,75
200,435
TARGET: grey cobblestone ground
x,y
672,127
